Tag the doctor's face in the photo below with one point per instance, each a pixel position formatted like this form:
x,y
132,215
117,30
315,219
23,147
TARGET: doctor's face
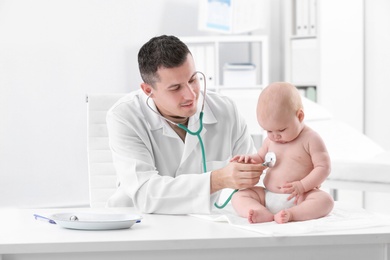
x,y
177,91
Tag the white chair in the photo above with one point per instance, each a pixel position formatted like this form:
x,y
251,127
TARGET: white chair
x,y
102,176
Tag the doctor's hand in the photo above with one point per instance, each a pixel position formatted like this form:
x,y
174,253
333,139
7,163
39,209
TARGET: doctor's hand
x,y
246,158
236,176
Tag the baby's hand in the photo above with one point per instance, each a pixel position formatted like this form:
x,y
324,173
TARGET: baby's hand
x,y
242,159
295,188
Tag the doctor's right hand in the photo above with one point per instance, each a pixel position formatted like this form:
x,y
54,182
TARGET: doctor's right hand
x,y
236,176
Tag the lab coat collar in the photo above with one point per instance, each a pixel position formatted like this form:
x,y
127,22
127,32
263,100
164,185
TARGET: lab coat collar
x,y
156,122
191,142
208,115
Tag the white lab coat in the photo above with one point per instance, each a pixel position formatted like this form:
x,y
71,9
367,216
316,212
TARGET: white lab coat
x,y
157,170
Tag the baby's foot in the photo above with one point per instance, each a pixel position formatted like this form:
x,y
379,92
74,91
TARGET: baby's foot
x,y
259,216
252,216
282,216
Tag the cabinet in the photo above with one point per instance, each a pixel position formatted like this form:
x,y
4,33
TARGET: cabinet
x,y
329,57
213,53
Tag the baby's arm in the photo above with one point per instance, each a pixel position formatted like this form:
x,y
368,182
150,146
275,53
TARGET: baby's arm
x,y
321,163
321,168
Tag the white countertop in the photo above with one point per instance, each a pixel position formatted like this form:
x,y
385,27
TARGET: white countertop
x,y
20,233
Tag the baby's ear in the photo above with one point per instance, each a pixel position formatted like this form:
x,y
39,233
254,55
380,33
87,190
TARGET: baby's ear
x,y
300,115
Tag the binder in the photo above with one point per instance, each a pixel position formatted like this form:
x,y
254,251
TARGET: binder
x,y
197,52
204,58
302,17
210,66
312,17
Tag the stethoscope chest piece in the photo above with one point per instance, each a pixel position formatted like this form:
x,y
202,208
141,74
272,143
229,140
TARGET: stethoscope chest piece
x,y
270,159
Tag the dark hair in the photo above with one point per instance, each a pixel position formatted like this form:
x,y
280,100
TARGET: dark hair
x,y
161,51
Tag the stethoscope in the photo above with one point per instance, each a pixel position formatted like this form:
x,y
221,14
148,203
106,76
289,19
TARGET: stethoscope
x,y
269,163
194,133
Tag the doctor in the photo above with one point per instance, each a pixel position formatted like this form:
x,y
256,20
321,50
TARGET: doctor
x,y
159,165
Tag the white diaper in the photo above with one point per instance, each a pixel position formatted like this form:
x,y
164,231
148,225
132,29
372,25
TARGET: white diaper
x,y
275,202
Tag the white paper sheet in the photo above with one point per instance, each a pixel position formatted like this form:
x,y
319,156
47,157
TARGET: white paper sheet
x,y
342,217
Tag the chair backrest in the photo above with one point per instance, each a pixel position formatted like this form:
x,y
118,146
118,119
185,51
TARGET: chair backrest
x,y
102,176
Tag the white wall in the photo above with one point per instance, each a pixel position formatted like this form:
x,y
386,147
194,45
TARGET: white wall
x,y
341,59
377,71
377,85
376,79
52,53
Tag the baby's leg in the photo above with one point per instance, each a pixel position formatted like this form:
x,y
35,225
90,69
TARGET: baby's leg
x,y
249,203
315,204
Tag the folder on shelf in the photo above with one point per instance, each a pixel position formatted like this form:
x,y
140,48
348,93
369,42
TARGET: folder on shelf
x,y
305,17
312,17
300,18
209,69
204,56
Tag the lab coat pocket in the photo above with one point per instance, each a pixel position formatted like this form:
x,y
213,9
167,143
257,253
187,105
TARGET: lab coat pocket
x,y
214,165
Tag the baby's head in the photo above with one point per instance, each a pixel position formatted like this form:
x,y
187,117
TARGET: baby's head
x,y
280,111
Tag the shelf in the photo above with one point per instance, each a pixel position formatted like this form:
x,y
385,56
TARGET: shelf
x,y
227,87
211,52
228,38
296,37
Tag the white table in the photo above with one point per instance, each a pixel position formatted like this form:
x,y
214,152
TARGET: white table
x,y
176,237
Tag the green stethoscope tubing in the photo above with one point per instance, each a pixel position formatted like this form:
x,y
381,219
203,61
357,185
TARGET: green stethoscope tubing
x,y
197,133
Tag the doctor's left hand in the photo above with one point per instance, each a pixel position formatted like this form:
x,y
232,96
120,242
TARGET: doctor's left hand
x,y
236,176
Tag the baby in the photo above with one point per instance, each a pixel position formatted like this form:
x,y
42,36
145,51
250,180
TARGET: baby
x,y
291,190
